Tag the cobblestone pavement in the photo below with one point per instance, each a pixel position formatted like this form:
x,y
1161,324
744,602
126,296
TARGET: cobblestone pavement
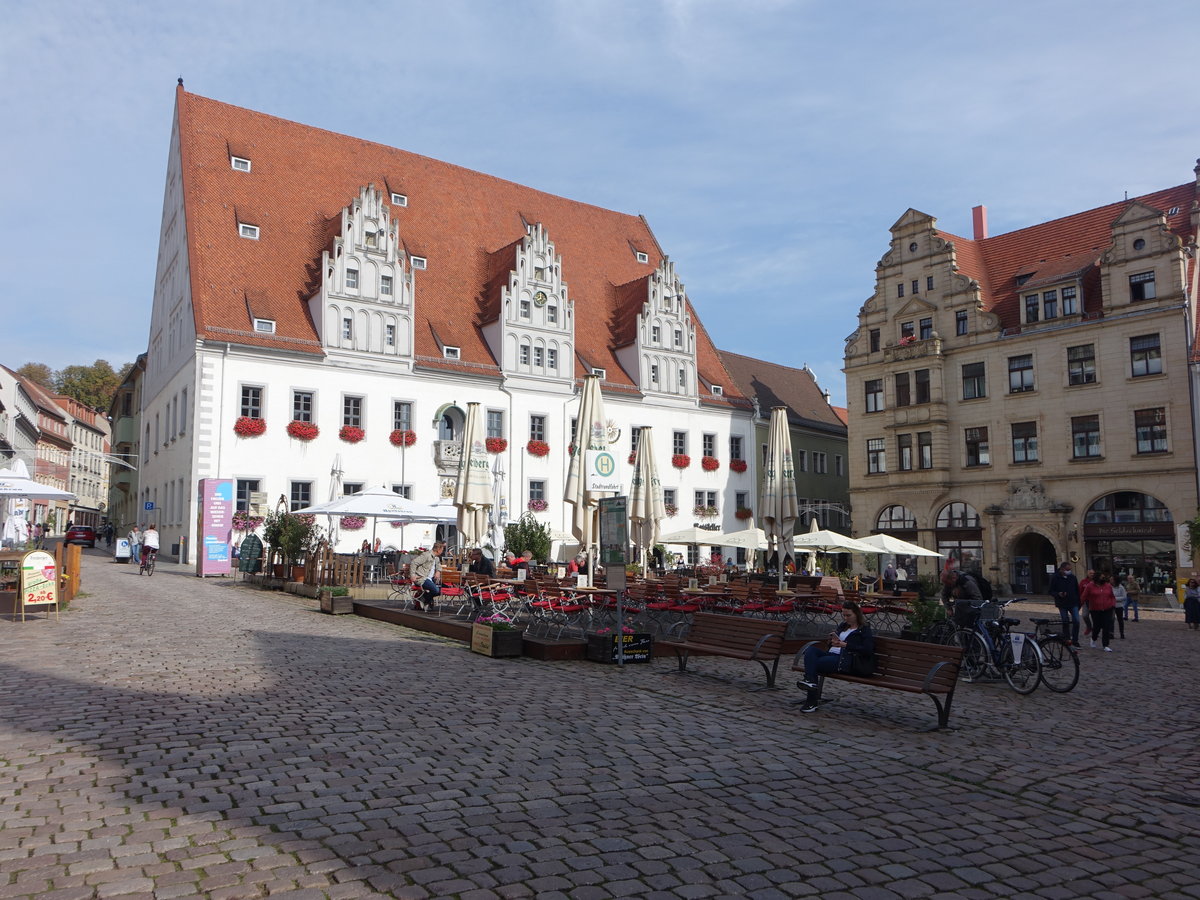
x,y
172,737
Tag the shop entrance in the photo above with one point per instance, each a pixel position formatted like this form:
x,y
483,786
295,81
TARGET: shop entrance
x,y
1031,554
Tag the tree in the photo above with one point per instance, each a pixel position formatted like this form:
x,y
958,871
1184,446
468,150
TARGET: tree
x,y
39,373
92,385
527,533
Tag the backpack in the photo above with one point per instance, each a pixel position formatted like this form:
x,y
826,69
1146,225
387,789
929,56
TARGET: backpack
x,y
985,587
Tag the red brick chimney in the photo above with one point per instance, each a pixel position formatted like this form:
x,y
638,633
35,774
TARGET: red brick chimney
x,y
979,221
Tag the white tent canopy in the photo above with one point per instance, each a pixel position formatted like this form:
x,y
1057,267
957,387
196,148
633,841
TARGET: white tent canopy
x,y
382,503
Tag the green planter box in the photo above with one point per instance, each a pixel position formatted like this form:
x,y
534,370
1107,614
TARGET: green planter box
x,y
602,648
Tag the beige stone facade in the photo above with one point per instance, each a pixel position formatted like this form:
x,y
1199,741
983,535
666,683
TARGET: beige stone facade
x,y
1019,399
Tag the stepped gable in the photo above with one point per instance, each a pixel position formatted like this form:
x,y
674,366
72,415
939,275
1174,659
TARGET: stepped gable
x,y
300,180
1057,249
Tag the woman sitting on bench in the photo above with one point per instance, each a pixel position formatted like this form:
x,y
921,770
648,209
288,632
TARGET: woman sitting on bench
x,y
853,638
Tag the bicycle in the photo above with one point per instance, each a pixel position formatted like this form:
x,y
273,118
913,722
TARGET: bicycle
x,y
148,558
1060,659
990,646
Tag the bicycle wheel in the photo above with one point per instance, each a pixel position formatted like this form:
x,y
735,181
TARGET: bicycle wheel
x,y
941,632
1024,674
1060,664
975,656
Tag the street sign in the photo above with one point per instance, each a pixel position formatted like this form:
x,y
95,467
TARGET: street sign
x,y
149,505
602,473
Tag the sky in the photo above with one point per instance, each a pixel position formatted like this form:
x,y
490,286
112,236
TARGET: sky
x,y
770,144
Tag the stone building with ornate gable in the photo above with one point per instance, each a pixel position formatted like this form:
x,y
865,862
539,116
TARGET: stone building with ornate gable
x,y
345,301
1023,398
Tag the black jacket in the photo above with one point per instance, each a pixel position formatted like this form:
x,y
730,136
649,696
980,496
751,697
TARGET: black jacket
x,y
1064,588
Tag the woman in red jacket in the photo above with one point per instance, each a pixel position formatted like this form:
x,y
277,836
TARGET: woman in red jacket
x,y
1098,598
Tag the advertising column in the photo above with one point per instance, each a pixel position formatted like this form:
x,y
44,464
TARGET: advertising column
x,y
216,527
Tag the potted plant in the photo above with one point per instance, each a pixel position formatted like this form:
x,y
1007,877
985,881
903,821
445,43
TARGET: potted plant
x,y
351,434
537,448
292,535
336,601
302,431
737,465
246,426
710,463
496,445
402,437
496,636
926,611
681,460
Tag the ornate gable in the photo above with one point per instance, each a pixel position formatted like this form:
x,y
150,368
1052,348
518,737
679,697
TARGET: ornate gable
x,y
663,355
366,294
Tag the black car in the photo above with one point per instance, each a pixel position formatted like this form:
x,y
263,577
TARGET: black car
x,y
81,534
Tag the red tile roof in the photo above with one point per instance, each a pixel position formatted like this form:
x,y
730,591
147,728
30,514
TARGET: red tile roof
x,y
463,222
1055,250
776,385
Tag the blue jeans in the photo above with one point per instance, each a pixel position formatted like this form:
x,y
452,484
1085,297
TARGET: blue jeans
x,y
1070,621
1131,601
818,662
431,588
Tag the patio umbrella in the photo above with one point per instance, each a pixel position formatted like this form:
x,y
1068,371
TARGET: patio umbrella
x,y
498,511
473,491
885,543
749,539
380,503
825,541
591,433
15,482
646,506
335,491
692,535
778,506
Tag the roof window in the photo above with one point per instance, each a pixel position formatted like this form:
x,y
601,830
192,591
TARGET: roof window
x,y
451,352
420,262
717,390
643,257
239,163
248,231
399,199
264,326
602,374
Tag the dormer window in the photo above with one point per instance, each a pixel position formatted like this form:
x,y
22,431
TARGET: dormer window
x,y
419,262
643,257
248,231
399,199
600,373
717,390
264,326
451,352
239,164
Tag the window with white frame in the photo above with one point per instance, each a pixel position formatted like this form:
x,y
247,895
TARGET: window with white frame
x,y
873,394
385,285
246,230
420,262
300,494
538,357
1081,364
977,446
1020,373
352,279
679,442
1024,442
654,373
351,487
347,328
302,406
552,314
244,488
399,199
352,411
252,405
264,326
495,423
635,434
669,497
389,335
655,334
404,490
1141,287
402,415
239,163
678,337
876,456
537,428
735,446
974,381
523,354
1085,437
552,359
523,308
451,352
709,444
537,490
1150,430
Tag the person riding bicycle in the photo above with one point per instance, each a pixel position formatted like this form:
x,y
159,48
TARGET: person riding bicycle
x,y
149,542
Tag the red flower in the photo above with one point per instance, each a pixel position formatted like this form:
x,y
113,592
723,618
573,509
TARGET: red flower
x,y
743,513
538,448
496,445
302,431
402,438
633,457
537,505
710,463
737,465
672,510
351,434
246,426
681,460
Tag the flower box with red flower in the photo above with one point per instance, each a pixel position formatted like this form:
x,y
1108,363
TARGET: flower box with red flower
x,y
681,460
496,445
353,523
710,463
403,437
705,512
247,426
538,448
743,513
243,521
537,505
302,431
351,434
672,510
737,465
633,458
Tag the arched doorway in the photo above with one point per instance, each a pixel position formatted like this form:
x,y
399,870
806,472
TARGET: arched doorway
x,y
1031,553
1131,533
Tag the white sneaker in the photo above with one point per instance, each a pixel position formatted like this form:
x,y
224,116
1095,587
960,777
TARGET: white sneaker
x,y
1093,645
1108,649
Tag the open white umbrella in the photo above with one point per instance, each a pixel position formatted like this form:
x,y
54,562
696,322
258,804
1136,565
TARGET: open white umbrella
x,y
885,543
748,539
591,433
778,505
15,482
473,491
382,503
646,506
826,541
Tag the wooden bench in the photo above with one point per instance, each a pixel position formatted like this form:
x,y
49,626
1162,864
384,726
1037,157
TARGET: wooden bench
x,y
909,666
735,637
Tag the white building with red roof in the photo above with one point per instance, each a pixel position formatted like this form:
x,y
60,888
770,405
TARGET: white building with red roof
x,y
1023,398
347,300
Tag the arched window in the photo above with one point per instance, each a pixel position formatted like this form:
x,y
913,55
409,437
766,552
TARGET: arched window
x,y
896,518
1130,533
960,536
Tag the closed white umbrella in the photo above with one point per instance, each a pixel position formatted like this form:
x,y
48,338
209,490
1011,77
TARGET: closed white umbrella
x,y
591,434
778,506
335,491
498,513
646,506
473,492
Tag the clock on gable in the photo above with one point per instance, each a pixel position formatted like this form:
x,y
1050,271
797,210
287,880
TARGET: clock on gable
x,y
539,299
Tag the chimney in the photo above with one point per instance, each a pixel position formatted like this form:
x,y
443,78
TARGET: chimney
x,y
979,221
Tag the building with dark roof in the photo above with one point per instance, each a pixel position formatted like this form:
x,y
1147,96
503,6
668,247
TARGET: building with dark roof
x,y
338,294
1023,398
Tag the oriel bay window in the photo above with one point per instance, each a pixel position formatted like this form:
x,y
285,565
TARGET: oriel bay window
x,y
1024,442
1085,437
977,447
1150,428
876,456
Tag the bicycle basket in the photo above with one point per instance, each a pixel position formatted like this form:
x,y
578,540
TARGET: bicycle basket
x,y
990,611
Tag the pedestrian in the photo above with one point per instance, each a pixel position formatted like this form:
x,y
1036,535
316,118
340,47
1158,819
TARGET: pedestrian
x,y
852,637
1133,590
1064,589
889,577
1087,616
109,531
37,535
424,567
1122,597
135,543
1191,604
1098,597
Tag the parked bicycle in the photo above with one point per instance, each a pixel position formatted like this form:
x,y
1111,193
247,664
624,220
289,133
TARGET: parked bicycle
x,y
990,646
1060,659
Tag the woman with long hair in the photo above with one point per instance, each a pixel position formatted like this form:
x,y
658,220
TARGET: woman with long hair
x,y
853,638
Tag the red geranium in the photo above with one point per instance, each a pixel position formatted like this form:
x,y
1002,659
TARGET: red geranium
x,y
538,448
737,465
743,512
351,434
681,460
403,438
710,463
246,426
302,431
672,510
633,457
496,445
